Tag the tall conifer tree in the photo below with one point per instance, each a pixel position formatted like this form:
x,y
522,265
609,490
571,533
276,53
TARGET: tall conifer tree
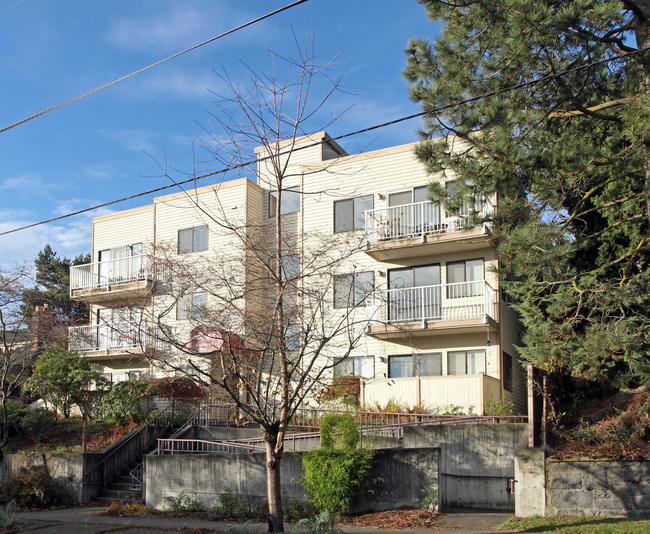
x,y
568,158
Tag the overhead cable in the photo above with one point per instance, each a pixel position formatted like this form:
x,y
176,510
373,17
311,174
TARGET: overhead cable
x,y
249,23
470,100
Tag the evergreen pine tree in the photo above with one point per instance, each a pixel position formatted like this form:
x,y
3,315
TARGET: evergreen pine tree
x,y
52,295
568,158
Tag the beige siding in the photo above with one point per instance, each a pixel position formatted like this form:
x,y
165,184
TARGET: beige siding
x,y
323,178
122,229
511,332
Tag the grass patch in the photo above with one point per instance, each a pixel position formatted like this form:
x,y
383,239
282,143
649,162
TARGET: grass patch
x,y
578,524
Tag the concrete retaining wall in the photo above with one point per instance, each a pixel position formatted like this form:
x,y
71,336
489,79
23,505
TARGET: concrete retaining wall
x,y
581,487
476,464
67,469
401,477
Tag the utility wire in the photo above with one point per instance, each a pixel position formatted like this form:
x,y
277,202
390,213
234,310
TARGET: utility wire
x,y
11,7
249,23
518,86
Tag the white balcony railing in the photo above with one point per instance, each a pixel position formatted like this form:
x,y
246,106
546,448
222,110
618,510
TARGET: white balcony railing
x,y
104,337
418,219
465,300
104,274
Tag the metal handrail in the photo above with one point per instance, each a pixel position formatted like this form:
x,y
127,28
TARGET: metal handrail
x,y
459,300
135,433
104,274
250,444
419,219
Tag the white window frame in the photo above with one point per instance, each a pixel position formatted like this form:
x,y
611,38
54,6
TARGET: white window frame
x,y
358,221
192,246
190,307
357,293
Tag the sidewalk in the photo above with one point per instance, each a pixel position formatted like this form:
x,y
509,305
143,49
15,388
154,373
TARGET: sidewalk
x,y
84,520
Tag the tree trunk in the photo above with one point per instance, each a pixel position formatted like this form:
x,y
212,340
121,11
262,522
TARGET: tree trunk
x,y
273,484
642,31
84,431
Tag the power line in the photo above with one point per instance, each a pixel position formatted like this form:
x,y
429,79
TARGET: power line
x,y
233,30
11,7
518,86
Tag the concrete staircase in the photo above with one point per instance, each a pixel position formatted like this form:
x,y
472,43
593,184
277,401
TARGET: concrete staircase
x,y
123,488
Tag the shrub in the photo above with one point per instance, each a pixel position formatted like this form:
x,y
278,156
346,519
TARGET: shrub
x,y
33,487
498,408
233,506
334,477
324,523
339,431
185,502
125,401
7,512
35,423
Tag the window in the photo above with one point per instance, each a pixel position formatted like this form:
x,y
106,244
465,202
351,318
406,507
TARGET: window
x,y
507,372
134,375
466,207
414,293
415,365
192,306
410,196
120,263
290,266
363,366
353,289
465,362
290,201
459,273
292,337
192,239
349,214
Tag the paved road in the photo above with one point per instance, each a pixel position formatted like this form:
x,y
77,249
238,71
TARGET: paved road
x,y
86,520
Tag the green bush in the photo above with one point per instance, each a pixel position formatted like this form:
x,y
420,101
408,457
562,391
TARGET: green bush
x,y
7,512
185,502
233,506
324,523
499,408
334,477
33,487
34,423
339,431
127,400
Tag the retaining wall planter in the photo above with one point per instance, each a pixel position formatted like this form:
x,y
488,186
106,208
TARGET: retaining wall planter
x,y
400,477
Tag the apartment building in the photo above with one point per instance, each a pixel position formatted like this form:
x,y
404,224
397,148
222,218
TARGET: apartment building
x,y
415,283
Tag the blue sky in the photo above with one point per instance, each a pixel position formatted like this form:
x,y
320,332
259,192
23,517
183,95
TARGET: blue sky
x,y
112,144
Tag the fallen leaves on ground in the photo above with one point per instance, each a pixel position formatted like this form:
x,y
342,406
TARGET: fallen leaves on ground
x,y
402,518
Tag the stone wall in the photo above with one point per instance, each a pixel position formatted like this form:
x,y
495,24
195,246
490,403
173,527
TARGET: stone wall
x,y
400,477
609,488
547,486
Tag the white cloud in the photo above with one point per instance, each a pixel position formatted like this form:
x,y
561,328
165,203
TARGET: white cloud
x,y
68,237
29,184
174,28
133,139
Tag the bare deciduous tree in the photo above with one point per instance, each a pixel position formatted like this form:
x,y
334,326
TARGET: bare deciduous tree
x,y
256,317
16,347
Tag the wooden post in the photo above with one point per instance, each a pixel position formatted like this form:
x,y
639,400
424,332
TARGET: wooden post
x,y
531,406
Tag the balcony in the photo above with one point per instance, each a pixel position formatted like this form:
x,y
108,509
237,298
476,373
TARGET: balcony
x,y
105,281
428,309
413,230
119,338
470,392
